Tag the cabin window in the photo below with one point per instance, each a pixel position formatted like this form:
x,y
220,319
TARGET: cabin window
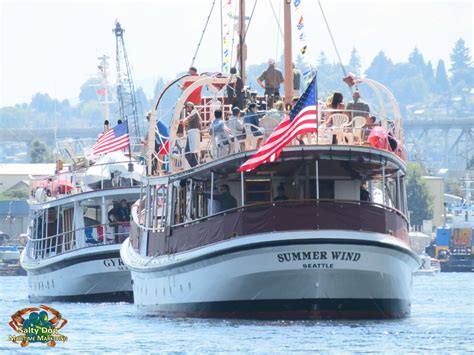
x,y
326,189
66,241
92,226
258,191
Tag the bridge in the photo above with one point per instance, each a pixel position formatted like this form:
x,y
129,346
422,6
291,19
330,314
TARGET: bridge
x,y
47,134
438,142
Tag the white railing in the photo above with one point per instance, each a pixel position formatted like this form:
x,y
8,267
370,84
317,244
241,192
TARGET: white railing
x,y
54,245
64,183
337,127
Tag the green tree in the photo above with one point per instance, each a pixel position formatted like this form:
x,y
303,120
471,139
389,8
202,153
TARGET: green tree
x,y
416,58
380,68
40,153
441,79
16,194
89,90
461,65
354,62
42,103
420,201
323,59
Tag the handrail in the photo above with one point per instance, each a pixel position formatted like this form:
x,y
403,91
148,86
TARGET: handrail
x,y
348,135
273,203
46,247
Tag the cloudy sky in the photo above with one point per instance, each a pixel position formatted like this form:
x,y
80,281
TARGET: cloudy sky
x,y
52,46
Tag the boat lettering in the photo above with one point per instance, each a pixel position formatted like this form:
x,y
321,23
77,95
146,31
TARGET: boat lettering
x,y
317,266
318,255
113,262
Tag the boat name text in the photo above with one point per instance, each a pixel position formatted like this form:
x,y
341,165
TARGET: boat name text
x,y
318,255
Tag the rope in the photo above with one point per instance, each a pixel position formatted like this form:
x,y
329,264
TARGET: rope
x,y
332,39
277,19
233,37
202,34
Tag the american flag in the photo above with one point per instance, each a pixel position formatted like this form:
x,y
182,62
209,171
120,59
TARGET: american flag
x,y
301,119
113,139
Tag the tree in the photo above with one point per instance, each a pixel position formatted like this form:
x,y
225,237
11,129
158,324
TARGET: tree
x,y
461,66
441,79
89,90
323,59
420,201
416,58
16,194
40,153
42,103
380,68
354,62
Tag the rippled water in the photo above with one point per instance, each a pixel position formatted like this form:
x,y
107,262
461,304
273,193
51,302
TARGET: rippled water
x,y
442,321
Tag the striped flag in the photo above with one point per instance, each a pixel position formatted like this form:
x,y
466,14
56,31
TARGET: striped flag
x,y
113,139
301,119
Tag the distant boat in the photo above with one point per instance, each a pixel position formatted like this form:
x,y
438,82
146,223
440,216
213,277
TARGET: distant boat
x,y
73,249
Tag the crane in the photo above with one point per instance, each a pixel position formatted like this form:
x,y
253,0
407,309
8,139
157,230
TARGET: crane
x,y
128,108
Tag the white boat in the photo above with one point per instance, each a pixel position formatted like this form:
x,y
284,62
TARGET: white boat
x,y
73,249
78,219
320,253
429,266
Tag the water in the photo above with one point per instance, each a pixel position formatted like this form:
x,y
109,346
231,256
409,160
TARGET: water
x,y
442,321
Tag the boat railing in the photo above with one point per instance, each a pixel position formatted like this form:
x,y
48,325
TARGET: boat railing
x,y
73,181
138,212
58,244
315,202
270,217
335,127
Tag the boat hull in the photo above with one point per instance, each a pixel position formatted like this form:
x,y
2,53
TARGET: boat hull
x,y
95,274
292,275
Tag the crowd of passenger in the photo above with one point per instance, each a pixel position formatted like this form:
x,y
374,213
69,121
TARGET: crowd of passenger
x,y
256,118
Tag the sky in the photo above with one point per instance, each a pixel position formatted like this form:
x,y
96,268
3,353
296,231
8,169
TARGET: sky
x,y
52,46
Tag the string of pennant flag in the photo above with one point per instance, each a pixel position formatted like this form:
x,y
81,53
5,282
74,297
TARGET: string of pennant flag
x,y
302,44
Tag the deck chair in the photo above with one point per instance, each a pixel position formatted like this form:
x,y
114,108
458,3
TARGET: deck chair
x,y
250,139
355,133
268,124
338,122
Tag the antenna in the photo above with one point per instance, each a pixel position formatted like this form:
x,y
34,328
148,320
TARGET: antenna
x,y
125,87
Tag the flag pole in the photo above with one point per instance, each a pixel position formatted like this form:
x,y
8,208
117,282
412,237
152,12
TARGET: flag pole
x,y
130,164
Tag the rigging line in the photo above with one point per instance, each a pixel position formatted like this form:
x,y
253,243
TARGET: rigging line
x,y
202,34
276,19
277,38
222,39
332,39
233,36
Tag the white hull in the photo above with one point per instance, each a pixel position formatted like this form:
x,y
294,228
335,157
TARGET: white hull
x,y
279,275
89,274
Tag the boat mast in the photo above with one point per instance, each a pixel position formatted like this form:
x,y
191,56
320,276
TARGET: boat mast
x,y
242,46
288,55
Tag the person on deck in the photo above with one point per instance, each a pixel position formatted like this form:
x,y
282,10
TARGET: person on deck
x,y
235,92
225,198
218,130
281,194
235,124
359,107
192,123
270,81
252,118
296,81
195,96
